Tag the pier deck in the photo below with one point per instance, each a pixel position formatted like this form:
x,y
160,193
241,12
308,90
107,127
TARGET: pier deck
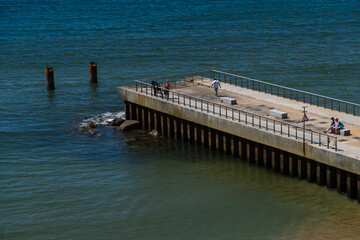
x,y
193,113
260,103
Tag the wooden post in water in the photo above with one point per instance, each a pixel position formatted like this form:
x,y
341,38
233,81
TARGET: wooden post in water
x,y
93,72
50,78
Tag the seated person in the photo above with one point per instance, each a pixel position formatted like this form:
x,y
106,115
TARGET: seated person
x,y
338,125
332,125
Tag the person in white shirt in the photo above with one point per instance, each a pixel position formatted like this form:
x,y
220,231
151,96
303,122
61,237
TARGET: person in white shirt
x,y
216,85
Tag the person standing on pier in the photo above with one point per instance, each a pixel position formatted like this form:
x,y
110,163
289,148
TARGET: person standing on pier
x,y
216,85
166,91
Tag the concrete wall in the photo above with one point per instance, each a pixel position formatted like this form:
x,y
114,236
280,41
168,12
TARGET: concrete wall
x,y
291,145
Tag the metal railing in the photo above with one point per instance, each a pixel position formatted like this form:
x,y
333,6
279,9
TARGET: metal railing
x,y
289,93
262,122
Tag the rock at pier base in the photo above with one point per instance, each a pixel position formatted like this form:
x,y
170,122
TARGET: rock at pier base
x,y
129,125
91,126
117,122
154,133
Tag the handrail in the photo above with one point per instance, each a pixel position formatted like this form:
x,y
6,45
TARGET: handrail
x,y
327,102
277,125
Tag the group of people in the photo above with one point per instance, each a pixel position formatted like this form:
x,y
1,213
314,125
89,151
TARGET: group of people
x,y
157,89
335,126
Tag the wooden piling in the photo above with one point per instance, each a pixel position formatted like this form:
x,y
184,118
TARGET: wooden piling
x,y
351,185
50,78
93,72
320,174
330,177
340,181
310,171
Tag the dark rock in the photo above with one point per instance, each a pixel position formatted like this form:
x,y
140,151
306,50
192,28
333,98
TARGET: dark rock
x,y
117,122
91,125
128,125
154,133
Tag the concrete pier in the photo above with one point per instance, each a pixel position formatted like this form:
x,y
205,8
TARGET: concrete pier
x,y
246,131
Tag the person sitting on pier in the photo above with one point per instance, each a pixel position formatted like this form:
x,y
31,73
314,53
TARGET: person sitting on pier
x,y
216,85
332,125
338,126
166,90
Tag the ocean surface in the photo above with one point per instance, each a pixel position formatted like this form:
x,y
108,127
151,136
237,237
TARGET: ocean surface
x,y
59,183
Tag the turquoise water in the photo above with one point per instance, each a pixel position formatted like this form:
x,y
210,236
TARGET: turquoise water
x,y
58,183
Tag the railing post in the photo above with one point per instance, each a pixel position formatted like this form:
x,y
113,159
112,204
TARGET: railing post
x,y
136,86
260,122
281,128
328,142
311,132
274,125
220,110
253,119
245,117
288,130
335,143
267,124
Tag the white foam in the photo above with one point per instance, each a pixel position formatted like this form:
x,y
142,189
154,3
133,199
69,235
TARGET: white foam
x,y
104,118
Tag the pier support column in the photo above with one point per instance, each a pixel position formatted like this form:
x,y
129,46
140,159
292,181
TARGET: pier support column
x,y
301,168
212,139
150,120
340,181
227,143
259,160
310,171
330,177
351,185
250,152
284,163
232,145
183,130
176,128
170,128
126,103
256,154
131,111
267,156
293,161
137,113
275,159
241,147
358,187
236,146
143,118
190,132
205,136
162,124
156,122
320,174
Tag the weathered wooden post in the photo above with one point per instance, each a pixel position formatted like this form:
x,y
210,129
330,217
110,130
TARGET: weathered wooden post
x,y
50,78
93,72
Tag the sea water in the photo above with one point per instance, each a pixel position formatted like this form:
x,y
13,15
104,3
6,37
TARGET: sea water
x,y
59,183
